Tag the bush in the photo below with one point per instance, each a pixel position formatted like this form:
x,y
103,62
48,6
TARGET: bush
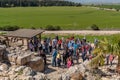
x,y
57,27
9,28
33,28
117,9
51,27
94,27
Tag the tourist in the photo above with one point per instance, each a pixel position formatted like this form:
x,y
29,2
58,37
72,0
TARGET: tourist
x,y
54,43
58,59
59,44
50,46
43,55
64,58
111,58
83,53
77,55
43,46
69,62
57,38
31,47
40,47
54,55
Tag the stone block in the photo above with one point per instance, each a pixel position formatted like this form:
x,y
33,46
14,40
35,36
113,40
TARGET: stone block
x,y
76,76
9,57
14,58
22,60
37,64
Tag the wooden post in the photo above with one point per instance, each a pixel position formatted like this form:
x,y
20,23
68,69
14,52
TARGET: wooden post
x,y
27,44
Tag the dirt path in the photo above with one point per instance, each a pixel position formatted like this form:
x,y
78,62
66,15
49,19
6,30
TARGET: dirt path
x,y
83,32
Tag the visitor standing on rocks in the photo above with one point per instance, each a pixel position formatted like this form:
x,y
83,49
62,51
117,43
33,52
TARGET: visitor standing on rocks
x,y
111,58
58,59
77,55
31,46
43,55
59,44
40,47
35,43
50,46
54,55
83,53
69,62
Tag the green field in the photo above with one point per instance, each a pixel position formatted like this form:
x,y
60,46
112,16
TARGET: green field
x,y
109,6
66,17
89,38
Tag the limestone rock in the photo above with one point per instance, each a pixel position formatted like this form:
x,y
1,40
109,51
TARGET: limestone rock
x,y
89,76
25,78
10,57
28,72
11,72
118,69
76,76
40,76
7,78
21,60
37,64
14,58
65,77
19,68
4,67
12,77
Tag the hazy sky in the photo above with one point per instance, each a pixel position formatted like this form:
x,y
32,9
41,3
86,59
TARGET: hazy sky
x,y
97,1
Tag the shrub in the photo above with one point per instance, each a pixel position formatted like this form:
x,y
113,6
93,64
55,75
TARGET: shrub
x,y
33,28
57,28
94,27
117,9
51,27
9,28
40,27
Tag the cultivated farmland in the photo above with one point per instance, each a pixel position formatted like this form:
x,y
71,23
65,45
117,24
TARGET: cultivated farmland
x,y
73,18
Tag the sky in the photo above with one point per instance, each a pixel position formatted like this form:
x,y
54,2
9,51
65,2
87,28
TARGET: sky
x,y
96,1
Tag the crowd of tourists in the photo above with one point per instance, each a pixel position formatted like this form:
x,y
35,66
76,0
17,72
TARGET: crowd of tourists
x,y
64,52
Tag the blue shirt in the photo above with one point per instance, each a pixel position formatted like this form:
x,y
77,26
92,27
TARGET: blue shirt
x,y
54,53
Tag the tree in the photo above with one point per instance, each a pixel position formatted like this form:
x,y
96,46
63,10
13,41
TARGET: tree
x,y
116,40
106,47
99,52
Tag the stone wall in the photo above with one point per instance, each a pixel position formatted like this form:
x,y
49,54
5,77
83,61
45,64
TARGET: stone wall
x,y
20,57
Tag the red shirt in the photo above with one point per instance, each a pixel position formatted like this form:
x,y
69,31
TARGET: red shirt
x,y
60,41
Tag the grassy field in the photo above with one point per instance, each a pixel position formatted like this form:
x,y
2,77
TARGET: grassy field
x,y
109,6
88,37
67,17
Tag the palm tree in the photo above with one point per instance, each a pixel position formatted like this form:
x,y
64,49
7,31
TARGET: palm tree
x,y
99,52
106,47
116,48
